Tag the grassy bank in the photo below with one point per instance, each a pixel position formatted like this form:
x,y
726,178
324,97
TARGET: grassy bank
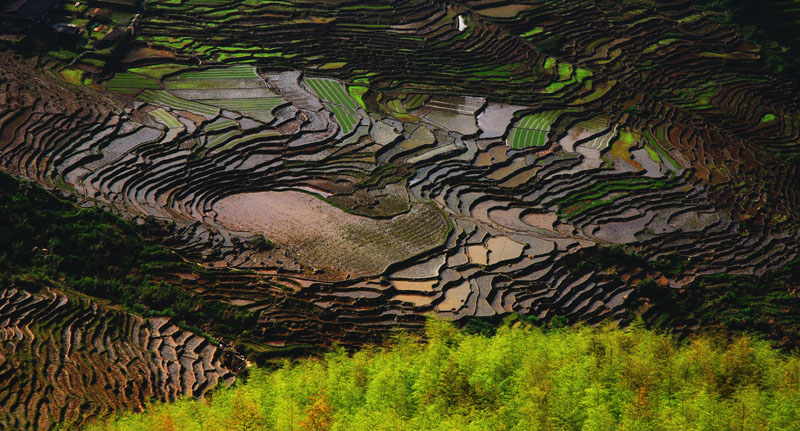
x,y
522,378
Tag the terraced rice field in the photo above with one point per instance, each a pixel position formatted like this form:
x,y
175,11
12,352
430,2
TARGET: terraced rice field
x,y
531,130
325,236
244,105
603,141
130,83
343,106
165,118
233,72
400,166
233,88
92,360
164,98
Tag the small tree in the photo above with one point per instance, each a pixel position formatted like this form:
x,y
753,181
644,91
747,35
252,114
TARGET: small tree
x,y
260,243
319,414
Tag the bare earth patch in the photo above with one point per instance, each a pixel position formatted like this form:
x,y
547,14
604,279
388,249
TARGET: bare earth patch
x,y
320,234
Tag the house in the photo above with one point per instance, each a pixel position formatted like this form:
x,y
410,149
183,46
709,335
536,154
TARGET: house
x,y
66,30
21,16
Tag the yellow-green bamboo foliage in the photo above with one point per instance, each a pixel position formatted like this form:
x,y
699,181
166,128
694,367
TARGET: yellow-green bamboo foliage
x,y
521,379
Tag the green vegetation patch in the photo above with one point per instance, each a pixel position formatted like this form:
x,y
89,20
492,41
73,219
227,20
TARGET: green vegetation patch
x,y
157,71
522,378
207,84
344,117
164,117
606,192
343,106
415,101
165,98
215,140
535,31
246,139
331,91
130,83
656,147
531,130
333,65
233,72
220,124
73,76
564,71
653,154
581,74
358,92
